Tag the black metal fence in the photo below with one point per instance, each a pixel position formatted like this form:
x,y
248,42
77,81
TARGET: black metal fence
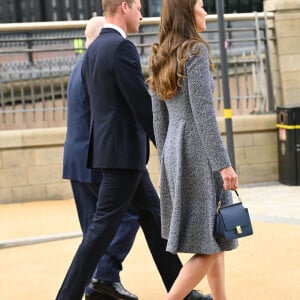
x,y
36,59
47,10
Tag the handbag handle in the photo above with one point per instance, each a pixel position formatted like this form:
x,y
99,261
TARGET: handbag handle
x,y
220,201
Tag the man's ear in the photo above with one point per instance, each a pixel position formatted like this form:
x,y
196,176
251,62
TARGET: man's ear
x,y
124,6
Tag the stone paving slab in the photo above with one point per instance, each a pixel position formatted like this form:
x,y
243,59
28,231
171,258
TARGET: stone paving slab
x,y
272,202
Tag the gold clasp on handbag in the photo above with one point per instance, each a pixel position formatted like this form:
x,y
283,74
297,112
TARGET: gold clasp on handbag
x,y
239,229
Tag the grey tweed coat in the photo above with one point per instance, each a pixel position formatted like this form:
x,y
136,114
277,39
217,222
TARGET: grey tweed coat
x,y
191,155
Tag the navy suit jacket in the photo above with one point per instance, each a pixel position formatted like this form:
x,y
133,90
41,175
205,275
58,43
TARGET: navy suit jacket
x,y
121,110
76,143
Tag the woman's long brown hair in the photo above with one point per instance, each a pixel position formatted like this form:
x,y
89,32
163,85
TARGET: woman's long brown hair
x,y
177,38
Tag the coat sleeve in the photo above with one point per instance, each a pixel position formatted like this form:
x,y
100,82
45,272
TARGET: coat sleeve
x,y
200,89
133,87
85,96
160,122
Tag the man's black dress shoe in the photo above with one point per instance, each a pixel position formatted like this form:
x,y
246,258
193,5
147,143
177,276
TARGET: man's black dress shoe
x,y
98,296
195,295
113,289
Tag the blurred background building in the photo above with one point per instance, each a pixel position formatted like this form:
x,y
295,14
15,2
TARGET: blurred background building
x,y
63,10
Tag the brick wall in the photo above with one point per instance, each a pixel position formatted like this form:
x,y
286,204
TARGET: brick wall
x,y
31,160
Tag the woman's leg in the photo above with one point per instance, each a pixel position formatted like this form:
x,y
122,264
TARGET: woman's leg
x,y
216,278
190,275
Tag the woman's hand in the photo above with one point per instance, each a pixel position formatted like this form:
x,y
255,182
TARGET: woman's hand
x,y
230,178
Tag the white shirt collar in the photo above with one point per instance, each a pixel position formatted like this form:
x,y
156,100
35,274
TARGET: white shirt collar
x,y
119,29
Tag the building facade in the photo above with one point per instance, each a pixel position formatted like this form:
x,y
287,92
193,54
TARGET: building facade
x,y
63,10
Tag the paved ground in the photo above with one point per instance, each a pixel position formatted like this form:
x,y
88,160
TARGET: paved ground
x,y
266,266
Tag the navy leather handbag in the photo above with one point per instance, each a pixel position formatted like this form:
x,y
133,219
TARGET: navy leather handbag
x,y
232,221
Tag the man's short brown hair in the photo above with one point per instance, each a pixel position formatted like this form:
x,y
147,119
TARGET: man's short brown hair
x,y
110,6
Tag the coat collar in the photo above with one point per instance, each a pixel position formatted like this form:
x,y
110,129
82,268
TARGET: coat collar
x,y
117,28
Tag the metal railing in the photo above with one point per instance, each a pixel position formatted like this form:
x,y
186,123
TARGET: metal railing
x,y
36,60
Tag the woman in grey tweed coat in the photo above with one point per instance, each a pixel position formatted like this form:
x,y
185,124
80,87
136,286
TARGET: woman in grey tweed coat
x,y
195,168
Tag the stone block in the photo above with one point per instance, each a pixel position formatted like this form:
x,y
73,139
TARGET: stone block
x,y
261,154
243,140
59,191
49,155
287,25
276,78
10,139
269,5
288,45
290,80
290,64
29,193
288,15
281,5
254,123
44,174
264,172
44,136
6,195
274,63
17,158
240,156
13,177
291,96
265,138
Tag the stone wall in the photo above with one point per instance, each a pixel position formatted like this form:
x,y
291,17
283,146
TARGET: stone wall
x,y
31,160
31,165
285,51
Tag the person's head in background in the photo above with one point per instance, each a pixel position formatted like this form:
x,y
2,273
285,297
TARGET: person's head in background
x,y
93,28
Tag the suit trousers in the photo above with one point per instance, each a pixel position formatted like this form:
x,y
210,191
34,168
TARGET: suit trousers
x,y
120,188
110,265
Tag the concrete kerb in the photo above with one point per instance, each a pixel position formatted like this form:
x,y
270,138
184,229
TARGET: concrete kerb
x,y
38,239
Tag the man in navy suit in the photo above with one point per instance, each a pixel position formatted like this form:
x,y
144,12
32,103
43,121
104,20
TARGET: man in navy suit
x,y
120,126
85,182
